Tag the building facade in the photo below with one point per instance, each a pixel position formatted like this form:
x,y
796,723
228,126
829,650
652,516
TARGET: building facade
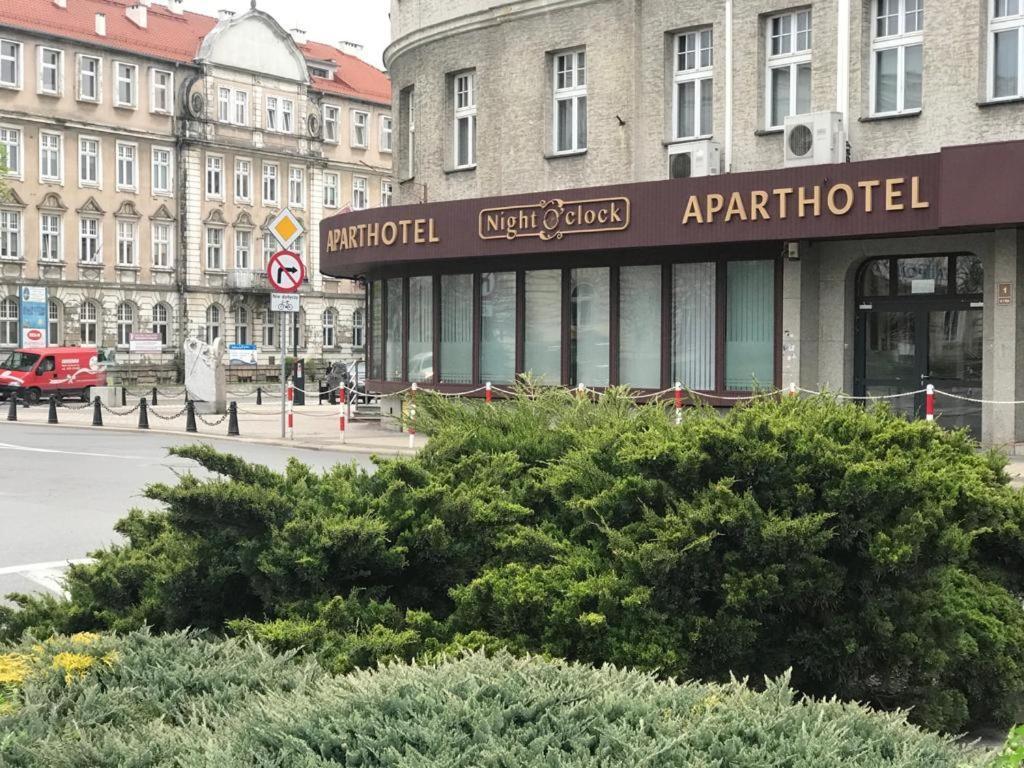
x,y
148,149
729,194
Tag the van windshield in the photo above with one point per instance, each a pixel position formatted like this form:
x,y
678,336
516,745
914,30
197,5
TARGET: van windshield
x,y
19,361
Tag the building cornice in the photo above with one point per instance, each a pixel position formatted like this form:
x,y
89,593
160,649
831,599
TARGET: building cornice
x,y
92,44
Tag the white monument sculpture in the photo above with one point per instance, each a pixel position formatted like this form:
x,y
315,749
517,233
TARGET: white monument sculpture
x,y
205,377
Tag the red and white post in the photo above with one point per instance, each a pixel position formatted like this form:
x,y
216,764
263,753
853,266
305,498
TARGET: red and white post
x,y
412,416
487,392
929,402
679,403
341,412
291,410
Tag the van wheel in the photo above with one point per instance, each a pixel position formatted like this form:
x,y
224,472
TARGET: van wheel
x,y
33,395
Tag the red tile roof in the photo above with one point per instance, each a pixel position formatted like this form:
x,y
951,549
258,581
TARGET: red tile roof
x,y
176,37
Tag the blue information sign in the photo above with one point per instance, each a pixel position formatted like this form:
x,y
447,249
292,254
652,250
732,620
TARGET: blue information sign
x,y
33,316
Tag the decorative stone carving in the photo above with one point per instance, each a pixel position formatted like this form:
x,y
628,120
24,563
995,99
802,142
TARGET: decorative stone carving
x,y
205,376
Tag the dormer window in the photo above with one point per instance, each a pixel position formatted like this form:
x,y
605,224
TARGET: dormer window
x,y
319,72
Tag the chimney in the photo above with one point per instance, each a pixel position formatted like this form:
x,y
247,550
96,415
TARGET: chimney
x,y
137,15
61,3
349,47
299,36
223,13
177,7
101,24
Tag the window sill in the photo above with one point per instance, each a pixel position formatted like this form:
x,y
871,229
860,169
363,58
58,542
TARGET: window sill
x,y
687,140
385,151
50,94
127,190
52,263
162,269
561,155
127,268
460,169
9,260
10,86
91,264
82,100
769,131
897,116
999,102
130,107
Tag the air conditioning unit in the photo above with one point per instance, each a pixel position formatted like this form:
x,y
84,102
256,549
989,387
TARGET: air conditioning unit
x,y
814,139
694,158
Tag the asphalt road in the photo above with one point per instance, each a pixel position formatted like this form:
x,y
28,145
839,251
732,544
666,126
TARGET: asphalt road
x,y
62,490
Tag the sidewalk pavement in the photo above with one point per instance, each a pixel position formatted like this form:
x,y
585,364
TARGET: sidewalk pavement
x,y
316,426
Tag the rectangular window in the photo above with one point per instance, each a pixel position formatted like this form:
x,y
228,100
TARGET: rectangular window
x,y
330,190
89,241
88,162
456,329
750,325
162,171
10,145
375,300
693,325
127,234
243,180
88,78
10,64
272,111
693,92
214,176
589,318
241,108
127,177
542,325
393,353
570,101
214,248
125,89
359,196
360,133
10,234
386,132
788,76
162,91
407,111
51,166
1006,42
51,71
270,184
331,124
162,245
421,328
464,99
386,193
498,327
287,107
270,247
224,105
243,248
640,326
50,227
296,186
897,50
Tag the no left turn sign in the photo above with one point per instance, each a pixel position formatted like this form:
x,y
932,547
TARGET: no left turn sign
x,y
285,271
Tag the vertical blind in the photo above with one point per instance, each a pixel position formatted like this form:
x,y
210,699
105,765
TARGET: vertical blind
x,y
456,329
590,291
421,328
640,326
750,325
498,326
393,356
693,325
542,356
376,320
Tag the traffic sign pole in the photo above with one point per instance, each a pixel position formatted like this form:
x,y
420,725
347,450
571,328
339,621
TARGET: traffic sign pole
x,y
284,353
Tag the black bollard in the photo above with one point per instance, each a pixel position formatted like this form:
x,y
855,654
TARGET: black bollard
x,y
12,409
124,396
143,415
97,412
233,419
259,395
154,401
190,417
52,417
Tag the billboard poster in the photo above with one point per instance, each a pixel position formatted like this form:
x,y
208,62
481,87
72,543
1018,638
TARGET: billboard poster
x,y
145,343
242,354
33,316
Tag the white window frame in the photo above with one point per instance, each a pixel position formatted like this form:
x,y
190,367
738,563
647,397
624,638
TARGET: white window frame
x,y
168,89
119,184
214,173
161,316
82,180
791,59
242,324
273,111
84,236
51,239
329,321
19,63
168,190
331,185
332,117
1007,23
89,317
900,41
700,46
276,199
572,92
54,323
9,321
243,252
243,195
360,187
162,249
11,237
300,201
387,133
132,80
7,132
58,71
97,85
464,109
125,327
211,264
127,236
360,122
44,175
387,193
223,105
240,108
287,116
270,247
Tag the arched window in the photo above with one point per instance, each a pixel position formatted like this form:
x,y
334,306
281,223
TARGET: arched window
x,y
160,316
55,323
125,323
9,321
328,323
213,319
241,325
89,324
299,330
358,328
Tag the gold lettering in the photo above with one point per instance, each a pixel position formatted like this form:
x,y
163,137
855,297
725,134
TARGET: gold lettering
x,y
431,235
420,231
353,240
404,224
343,238
869,194
782,193
758,205
715,203
736,207
389,233
372,234
693,211
803,201
492,222
837,210
362,234
915,194
893,195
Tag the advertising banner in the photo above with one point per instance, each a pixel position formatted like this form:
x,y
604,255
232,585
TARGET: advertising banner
x,y
242,354
33,317
145,343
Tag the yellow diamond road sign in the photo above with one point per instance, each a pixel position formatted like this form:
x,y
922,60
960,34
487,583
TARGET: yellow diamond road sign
x,y
286,228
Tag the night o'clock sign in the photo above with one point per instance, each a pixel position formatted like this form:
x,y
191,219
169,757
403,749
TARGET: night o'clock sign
x,y
285,271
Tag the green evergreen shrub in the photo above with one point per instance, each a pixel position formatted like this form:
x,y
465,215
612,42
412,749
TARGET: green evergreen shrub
x,y
882,560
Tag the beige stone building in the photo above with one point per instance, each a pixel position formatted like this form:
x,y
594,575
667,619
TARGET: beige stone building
x,y
149,147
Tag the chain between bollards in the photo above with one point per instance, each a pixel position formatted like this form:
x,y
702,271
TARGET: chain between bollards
x,y
154,401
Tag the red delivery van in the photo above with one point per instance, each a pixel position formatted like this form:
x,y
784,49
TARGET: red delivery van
x,y
62,371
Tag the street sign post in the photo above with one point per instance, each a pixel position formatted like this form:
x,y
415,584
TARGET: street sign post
x,y
286,272
286,228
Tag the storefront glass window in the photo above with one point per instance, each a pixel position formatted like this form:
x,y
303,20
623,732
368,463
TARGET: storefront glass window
x,y
375,329
543,332
640,326
498,326
693,325
456,329
921,274
421,328
876,278
970,274
750,325
590,355
393,353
